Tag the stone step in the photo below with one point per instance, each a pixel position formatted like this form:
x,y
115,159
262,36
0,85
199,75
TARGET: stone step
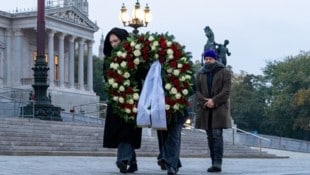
x,y
37,137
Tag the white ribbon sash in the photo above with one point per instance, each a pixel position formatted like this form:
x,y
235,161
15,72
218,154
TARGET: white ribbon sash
x,y
151,105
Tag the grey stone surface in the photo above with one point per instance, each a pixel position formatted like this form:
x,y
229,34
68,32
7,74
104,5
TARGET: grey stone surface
x,y
297,164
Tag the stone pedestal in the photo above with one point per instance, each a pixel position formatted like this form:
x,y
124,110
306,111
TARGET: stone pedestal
x,y
42,111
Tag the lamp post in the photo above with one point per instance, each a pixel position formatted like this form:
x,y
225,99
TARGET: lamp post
x,y
42,107
139,18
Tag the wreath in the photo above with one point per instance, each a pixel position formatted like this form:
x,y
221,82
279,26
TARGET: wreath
x,y
137,53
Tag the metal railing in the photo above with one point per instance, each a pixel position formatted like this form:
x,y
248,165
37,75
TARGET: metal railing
x,y
251,134
99,109
12,102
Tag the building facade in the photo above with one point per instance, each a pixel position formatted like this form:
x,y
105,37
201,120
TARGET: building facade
x,y
69,43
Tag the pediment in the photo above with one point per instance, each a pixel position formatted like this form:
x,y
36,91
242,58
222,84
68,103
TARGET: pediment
x,y
72,15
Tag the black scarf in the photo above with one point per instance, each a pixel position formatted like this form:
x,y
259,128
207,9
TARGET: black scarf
x,y
210,70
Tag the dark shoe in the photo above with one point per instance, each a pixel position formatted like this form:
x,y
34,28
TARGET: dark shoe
x,y
214,169
132,168
122,165
171,171
162,164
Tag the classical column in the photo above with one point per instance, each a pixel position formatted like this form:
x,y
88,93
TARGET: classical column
x,y
51,55
8,39
81,64
1,64
18,61
90,66
71,61
61,41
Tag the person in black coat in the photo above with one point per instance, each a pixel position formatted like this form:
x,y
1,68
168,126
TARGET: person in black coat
x,y
126,137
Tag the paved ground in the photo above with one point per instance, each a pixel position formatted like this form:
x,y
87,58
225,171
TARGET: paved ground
x,y
297,164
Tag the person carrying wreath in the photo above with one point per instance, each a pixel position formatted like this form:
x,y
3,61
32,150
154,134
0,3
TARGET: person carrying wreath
x,y
169,143
118,133
213,86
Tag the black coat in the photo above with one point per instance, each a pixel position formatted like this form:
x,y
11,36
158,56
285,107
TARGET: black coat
x,y
116,130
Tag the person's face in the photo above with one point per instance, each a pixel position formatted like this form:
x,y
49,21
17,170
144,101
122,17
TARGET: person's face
x,y
114,40
209,60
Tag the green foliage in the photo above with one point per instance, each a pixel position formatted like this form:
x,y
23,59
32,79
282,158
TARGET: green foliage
x,y
98,78
290,81
248,101
276,103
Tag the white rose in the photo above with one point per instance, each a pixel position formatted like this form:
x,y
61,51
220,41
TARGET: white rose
x,y
178,96
176,106
170,57
180,65
119,53
128,111
121,100
110,81
174,90
123,64
135,96
151,38
119,71
169,70
115,98
168,86
136,53
127,83
156,56
188,77
170,52
136,61
134,109
176,72
138,47
167,107
121,88
126,74
115,66
124,55
155,43
111,65
153,48
130,101
185,91
169,43
114,85
132,43
183,78
183,58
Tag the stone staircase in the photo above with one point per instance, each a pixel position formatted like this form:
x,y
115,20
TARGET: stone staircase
x,y
20,136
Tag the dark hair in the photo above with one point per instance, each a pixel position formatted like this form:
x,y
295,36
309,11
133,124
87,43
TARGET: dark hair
x,y
122,34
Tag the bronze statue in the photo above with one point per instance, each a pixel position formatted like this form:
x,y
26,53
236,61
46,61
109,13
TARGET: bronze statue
x,y
221,49
210,42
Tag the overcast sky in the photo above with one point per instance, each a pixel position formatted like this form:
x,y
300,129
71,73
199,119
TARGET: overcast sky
x,y
258,30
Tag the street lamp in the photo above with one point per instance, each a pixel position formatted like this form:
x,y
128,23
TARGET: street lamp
x,y
139,18
42,107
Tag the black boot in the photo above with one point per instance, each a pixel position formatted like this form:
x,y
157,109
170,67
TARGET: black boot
x,y
172,171
214,169
162,164
122,165
132,168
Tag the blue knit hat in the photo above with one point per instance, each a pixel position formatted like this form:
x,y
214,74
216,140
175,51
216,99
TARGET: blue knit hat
x,y
210,53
